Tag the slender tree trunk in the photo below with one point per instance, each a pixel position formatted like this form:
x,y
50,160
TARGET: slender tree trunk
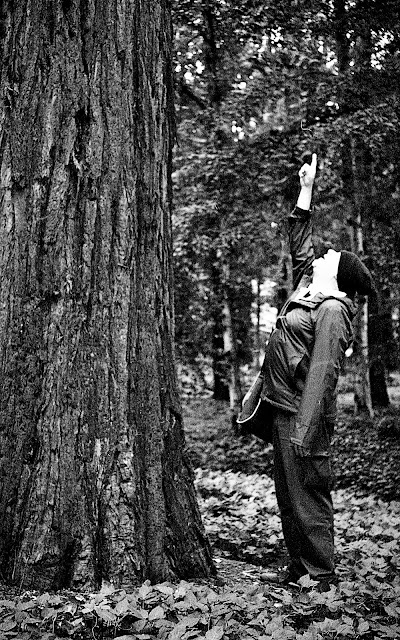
x,y
362,169
355,187
361,380
362,384
257,341
219,362
235,389
230,349
341,30
94,482
381,340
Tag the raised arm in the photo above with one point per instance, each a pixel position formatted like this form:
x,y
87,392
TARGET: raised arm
x,y
300,227
307,177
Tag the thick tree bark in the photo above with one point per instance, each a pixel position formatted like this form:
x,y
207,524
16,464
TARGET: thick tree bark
x,y
94,482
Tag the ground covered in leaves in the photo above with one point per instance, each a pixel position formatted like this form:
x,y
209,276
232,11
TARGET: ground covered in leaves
x,y
366,451
237,500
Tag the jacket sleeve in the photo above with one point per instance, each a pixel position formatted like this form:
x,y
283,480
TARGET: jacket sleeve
x,y
300,243
333,331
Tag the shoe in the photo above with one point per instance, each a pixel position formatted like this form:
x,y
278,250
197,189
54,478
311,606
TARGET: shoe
x,y
325,584
294,572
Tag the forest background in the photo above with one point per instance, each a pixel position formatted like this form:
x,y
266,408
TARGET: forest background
x,y
258,86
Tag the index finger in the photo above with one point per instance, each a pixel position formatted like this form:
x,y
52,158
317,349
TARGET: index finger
x,y
314,161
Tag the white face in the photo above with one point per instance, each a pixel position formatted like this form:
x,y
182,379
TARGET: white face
x,y
327,266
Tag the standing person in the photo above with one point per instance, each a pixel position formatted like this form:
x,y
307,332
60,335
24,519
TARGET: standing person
x,y
300,372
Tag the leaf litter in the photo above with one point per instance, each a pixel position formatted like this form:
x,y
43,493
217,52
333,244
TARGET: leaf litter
x,y
365,604
241,518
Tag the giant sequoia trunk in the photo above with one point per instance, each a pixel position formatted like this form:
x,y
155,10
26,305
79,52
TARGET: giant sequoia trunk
x,y
94,482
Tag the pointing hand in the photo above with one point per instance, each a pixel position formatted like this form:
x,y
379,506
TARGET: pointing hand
x,y
307,172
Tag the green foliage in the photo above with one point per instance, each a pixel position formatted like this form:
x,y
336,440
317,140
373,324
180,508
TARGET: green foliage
x,y
257,86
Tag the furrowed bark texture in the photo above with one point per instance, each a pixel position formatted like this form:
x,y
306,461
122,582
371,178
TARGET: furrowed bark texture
x,y
93,478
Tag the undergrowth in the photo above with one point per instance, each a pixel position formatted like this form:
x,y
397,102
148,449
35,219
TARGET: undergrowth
x,y
366,453
238,506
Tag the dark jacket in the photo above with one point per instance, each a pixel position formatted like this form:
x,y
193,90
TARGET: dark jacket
x,y
304,354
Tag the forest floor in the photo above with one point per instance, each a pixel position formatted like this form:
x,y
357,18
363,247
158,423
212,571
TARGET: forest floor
x,y
233,477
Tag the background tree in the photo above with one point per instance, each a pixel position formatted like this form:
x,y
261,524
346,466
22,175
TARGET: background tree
x,y
217,179
94,479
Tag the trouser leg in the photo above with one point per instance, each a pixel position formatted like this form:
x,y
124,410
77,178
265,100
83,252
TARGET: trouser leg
x,y
303,495
290,529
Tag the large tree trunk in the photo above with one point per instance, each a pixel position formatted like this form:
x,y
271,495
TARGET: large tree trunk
x,y
94,481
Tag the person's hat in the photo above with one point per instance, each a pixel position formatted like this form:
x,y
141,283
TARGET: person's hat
x,y
353,276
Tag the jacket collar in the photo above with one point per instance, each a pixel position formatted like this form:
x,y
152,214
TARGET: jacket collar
x,y
316,300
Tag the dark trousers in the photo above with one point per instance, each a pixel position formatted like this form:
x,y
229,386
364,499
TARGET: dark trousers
x,y
303,493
